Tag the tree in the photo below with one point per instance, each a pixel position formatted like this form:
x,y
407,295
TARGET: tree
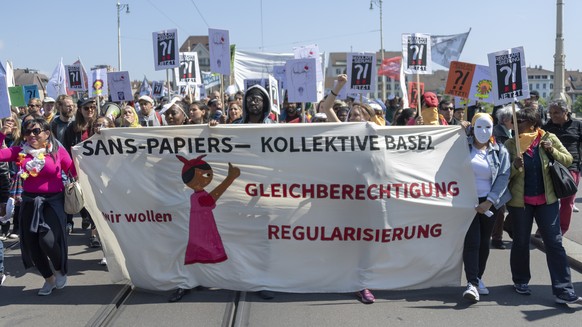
x,y
577,107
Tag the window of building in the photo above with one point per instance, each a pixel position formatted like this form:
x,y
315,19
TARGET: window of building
x,y
544,94
544,86
551,86
537,86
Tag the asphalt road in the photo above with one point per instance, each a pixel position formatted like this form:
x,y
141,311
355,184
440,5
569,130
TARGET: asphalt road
x,y
90,299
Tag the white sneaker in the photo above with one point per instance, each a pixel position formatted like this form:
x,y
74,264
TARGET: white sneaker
x,y
471,294
60,280
103,262
482,288
575,209
13,236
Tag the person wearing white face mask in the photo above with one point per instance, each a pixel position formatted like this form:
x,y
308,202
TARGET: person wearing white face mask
x,y
491,167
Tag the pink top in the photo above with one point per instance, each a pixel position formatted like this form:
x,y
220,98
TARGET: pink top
x,y
49,179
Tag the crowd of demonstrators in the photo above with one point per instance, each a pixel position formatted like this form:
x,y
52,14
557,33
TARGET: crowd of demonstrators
x,y
499,172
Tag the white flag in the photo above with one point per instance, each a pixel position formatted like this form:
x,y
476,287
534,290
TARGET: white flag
x,y
447,48
10,74
56,84
4,97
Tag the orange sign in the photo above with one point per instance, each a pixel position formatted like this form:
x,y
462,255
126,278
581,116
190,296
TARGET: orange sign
x,y
413,90
460,79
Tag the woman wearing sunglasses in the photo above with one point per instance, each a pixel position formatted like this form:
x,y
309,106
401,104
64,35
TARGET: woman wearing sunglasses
x,y
41,163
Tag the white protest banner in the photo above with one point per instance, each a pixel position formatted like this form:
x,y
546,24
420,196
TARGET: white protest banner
x,y
166,49
301,80
368,222
30,91
189,70
219,46
98,83
482,85
4,97
362,72
75,78
119,86
416,53
509,75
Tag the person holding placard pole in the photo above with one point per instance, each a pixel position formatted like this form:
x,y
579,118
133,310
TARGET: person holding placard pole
x,y
533,196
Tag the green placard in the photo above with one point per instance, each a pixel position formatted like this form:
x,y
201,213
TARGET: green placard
x,y
17,96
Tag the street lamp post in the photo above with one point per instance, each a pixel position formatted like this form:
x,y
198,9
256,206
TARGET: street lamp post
x,y
379,4
559,57
120,7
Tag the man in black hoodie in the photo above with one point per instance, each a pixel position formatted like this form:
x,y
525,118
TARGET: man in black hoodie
x,y
256,107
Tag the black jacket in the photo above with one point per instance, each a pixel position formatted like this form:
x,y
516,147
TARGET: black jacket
x,y
570,134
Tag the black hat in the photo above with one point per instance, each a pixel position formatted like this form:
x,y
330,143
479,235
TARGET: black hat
x,y
85,101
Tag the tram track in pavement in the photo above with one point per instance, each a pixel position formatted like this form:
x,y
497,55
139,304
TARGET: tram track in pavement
x,y
236,312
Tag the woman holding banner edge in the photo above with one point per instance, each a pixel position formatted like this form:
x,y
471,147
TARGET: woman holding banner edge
x,y
533,196
491,168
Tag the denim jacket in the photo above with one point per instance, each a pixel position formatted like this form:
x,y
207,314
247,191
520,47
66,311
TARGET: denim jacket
x,y
498,159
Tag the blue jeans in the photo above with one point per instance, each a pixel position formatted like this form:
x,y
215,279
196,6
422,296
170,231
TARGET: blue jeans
x,y
548,220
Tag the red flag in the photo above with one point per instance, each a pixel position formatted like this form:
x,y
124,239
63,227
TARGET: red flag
x,y
390,67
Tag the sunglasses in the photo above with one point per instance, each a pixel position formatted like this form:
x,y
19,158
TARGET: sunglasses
x,y
34,131
90,107
34,105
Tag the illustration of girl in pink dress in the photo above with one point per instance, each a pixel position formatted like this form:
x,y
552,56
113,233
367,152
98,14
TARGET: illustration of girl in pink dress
x,y
204,242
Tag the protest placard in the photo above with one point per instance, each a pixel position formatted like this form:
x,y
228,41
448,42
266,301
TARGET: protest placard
x,y
119,86
460,79
301,80
219,46
509,75
75,78
416,53
362,72
166,49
